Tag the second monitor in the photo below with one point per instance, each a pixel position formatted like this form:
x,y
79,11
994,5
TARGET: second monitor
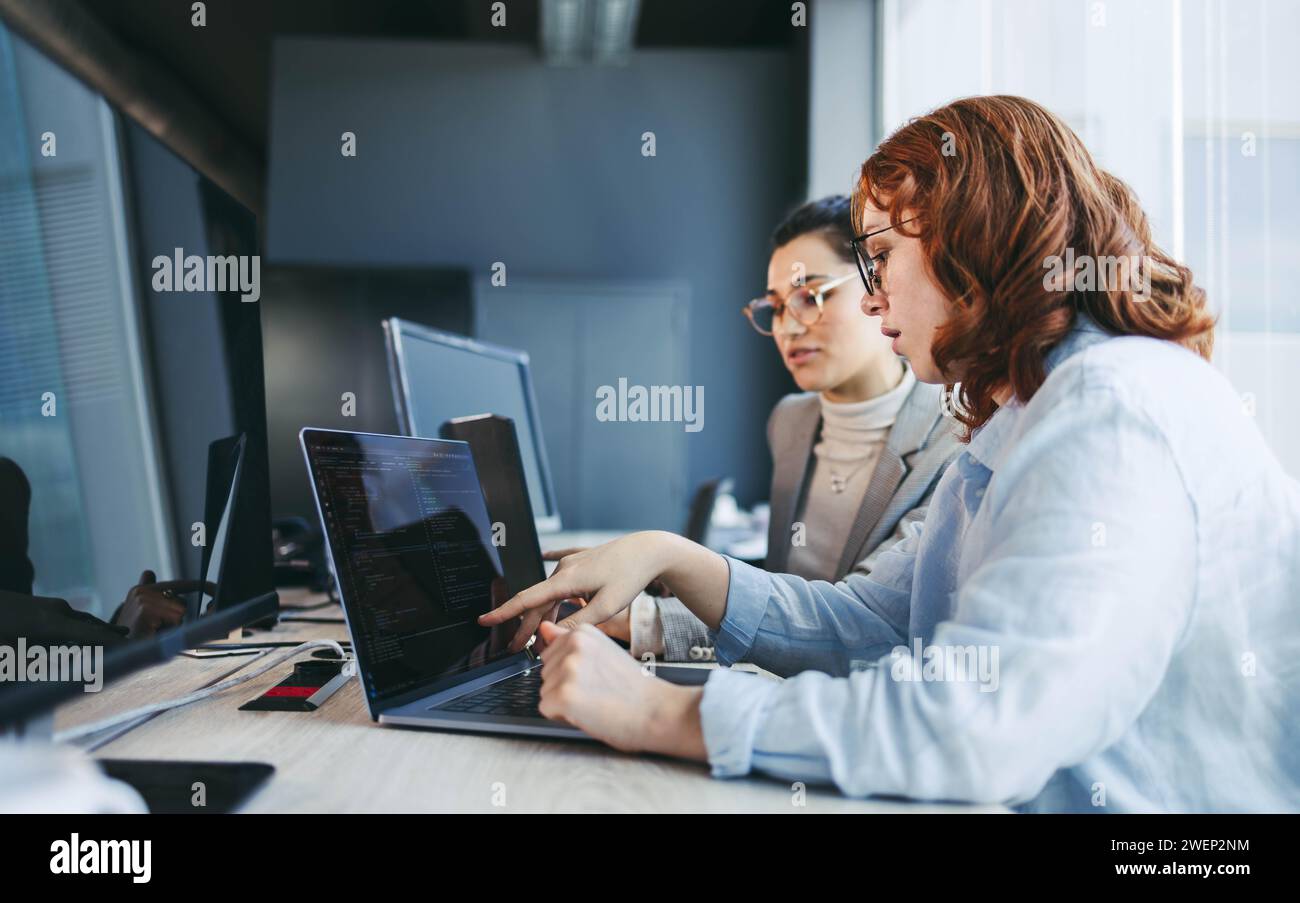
x,y
438,376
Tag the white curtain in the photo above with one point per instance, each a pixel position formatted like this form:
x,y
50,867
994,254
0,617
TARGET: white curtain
x,y
1194,103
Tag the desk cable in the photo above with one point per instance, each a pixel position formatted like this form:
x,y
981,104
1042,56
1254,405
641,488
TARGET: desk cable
x,y
272,659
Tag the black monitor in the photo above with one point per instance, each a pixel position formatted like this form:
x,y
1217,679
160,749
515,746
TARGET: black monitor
x,y
205,360
224,511
495,445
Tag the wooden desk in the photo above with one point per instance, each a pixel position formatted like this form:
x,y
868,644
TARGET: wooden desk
x,y
337,760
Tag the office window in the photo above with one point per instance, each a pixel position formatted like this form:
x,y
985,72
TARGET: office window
x,y
69,340
1192,102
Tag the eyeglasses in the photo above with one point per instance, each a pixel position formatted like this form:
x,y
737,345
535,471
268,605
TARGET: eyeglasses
x,y
805,304
871,279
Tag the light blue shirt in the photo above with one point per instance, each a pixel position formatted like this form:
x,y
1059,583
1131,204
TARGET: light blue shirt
x,y
1101,613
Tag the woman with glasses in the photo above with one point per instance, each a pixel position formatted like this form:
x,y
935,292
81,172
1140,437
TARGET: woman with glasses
x,y
856,455
1099,612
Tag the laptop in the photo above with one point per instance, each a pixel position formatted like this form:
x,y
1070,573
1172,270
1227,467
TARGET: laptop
x,y
411,546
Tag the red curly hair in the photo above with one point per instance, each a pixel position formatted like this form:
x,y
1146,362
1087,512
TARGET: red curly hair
x,y
998,185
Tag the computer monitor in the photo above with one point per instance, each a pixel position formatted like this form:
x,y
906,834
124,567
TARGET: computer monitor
x,y
223,510
204,359
438,376
494,441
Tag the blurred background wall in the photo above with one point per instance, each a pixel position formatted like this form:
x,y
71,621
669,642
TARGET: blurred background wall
x,y
470,155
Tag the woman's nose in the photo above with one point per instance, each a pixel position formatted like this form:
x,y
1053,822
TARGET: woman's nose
x,y
788,325
873,305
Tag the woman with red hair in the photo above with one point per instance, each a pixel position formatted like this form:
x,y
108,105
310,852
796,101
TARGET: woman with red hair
x,y
1099,611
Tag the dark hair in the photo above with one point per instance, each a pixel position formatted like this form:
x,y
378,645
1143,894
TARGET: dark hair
x,y
831,217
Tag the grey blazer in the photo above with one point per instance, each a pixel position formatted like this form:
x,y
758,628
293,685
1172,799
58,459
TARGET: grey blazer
x,y
921,444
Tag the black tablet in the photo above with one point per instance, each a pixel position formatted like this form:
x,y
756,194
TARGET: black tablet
x,y
176,788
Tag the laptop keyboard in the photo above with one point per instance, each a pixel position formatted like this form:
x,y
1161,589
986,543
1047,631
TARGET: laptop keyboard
x,y
518,696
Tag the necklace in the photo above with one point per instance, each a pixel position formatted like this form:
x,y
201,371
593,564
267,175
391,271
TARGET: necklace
x,y
852,433
840,481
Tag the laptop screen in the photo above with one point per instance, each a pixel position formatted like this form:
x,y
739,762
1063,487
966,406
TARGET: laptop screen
x,y
412,550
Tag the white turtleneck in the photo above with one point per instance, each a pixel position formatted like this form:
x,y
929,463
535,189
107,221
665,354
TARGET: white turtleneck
x,y
844,459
